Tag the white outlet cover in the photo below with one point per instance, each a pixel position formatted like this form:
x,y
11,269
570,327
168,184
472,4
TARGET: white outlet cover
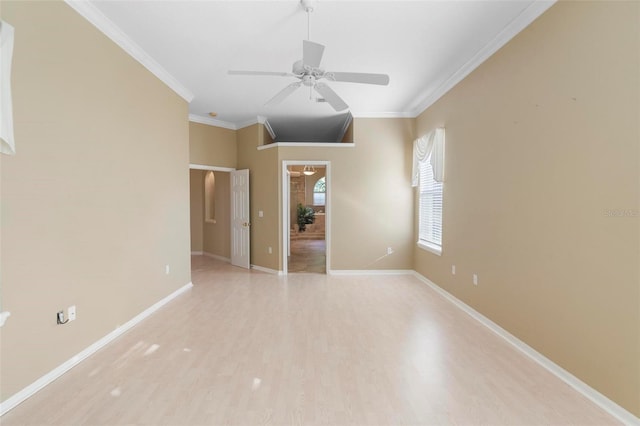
x,y
167,269
453,269
475,279
260,213
71,311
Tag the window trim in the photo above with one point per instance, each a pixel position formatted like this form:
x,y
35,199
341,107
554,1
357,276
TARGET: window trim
x,y
433,248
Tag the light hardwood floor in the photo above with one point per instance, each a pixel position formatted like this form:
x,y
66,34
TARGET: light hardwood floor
x,y
249,348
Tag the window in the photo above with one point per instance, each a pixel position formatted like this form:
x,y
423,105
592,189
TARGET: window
x,y
320,192
430,216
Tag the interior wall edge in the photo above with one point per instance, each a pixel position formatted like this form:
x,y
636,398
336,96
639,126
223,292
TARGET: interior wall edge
x,y
584,389
30,390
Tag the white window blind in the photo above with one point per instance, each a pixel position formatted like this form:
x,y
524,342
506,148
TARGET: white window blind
x,y
430,215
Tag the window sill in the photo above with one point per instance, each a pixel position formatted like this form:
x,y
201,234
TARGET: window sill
x,y
437,250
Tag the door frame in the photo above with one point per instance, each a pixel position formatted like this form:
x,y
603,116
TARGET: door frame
x,y
286,226
206,167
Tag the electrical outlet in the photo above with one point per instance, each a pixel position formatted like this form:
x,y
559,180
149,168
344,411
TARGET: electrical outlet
x,y
72,313
270,250
167,269
475,279
453,269
260,213
389,250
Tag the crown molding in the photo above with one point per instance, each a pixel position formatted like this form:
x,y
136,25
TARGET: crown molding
x,y
518,24
92,14
247,123
212,122
193,166
307,145
382,115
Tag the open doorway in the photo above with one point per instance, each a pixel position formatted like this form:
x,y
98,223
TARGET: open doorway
x,y
210,220
306,207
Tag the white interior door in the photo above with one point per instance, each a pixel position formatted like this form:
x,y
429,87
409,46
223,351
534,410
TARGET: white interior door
x,y
240,223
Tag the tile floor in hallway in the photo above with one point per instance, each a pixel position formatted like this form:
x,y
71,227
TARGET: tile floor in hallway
x,y
249,348
308,256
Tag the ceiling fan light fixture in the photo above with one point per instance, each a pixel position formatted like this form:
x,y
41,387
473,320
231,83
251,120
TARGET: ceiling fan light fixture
x,y
309,170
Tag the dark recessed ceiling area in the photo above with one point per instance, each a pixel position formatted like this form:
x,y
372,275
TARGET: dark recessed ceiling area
x,y
310,129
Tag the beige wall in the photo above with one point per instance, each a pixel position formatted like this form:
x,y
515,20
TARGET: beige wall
x,y
217,236
543,140
94,203
207,236
264,195
196,184
371,195
212,146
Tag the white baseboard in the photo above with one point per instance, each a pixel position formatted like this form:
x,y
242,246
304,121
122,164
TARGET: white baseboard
x,y
371,272
197,253
267,270
215,256
43,381
590,393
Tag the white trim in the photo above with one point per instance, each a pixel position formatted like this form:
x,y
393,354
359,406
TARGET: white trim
x,y
307,145
209,121
284,191
92,14
267,270
3,317
437,250
518,24
215,256
371,272
213,168
269,129
398,114
197,253
247,123
345,126
587,391
43,381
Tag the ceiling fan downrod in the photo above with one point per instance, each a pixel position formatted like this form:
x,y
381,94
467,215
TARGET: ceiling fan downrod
x,y
308,5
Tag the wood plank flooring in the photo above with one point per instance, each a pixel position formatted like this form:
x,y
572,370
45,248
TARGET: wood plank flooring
x,y
249,348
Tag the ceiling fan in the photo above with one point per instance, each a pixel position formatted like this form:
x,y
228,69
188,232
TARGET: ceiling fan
x,y
308,72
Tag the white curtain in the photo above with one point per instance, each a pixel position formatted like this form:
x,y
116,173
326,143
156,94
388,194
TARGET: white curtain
x,y
7,143
429,146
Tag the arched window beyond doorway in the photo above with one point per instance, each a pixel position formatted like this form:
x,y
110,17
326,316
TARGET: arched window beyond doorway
x,y
320,192
209,197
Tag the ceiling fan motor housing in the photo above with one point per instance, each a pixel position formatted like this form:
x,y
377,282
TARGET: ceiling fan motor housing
x,y
308,80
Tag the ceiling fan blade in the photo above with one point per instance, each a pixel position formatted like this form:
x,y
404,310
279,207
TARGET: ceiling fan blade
x,y
278,74
359,77
283,94
311,53
331,97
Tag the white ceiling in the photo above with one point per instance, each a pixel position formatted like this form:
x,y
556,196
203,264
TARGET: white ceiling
x,y
424,46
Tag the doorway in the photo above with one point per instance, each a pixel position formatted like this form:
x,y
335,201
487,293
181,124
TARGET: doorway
x,y
306,216
213,228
